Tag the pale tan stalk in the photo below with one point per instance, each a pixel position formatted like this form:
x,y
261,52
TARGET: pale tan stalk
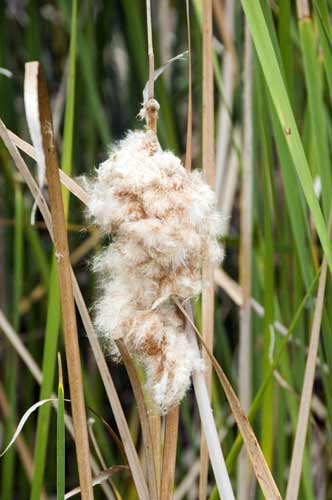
x,y
230,183
225,22
143,414
306,395
66,289
244,363
169,454
166,30
225,26
187,482
303,9
188,159
120,418
155,426
209,172
94,442
150,50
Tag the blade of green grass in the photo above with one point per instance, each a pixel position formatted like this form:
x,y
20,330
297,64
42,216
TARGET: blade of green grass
x,y
100,118
48,369
267,418
275,83
316,108
294,202
38,251
60,438
294,196
86,65
325,35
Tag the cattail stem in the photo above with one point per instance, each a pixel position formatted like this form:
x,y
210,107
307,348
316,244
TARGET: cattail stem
x,y
169,454
303,9
209,174
245,388
151,114
150,50
142,411
190,100
208,424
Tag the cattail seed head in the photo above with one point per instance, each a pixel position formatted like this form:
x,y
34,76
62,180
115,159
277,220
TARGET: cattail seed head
x,y
164,227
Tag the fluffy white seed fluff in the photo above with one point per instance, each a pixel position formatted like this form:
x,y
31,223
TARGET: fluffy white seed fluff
x,y
164,226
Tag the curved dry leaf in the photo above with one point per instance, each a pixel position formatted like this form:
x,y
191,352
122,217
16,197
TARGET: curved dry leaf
x,y
23,420
159,72
31,103
103,476
6,72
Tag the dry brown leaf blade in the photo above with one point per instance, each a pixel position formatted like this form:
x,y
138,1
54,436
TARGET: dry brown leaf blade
x,y
36,85
255,453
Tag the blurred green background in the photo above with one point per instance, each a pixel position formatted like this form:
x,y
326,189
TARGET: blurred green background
x,y
111,71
